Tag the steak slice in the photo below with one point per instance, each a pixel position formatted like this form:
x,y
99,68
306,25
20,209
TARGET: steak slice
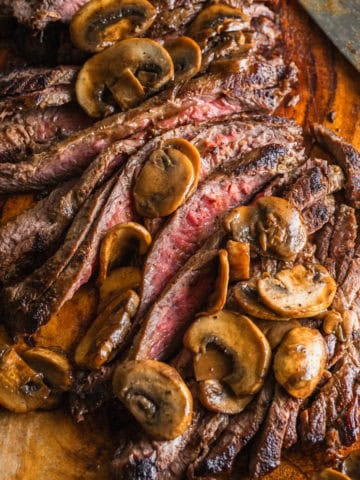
x,y
241,429
25,80
204,98
346,156
199,217
43,225
268,447
319,214
53,96
38,13
164,326
314,184
19,297
30,132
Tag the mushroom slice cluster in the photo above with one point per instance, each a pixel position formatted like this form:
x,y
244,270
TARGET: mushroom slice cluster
x,y
272,224
21,388
117,282
300,361
186,56
100,23
119,243
107,332
299,292
156,395
131,70
53,365
167,179
239,338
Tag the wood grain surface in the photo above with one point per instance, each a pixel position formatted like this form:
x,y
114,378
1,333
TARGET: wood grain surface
x,y
48,445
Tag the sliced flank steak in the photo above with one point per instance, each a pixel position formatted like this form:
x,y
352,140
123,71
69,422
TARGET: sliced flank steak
x,y
260,90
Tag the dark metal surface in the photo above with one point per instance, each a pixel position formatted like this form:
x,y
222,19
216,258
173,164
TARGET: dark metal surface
x,y
340,20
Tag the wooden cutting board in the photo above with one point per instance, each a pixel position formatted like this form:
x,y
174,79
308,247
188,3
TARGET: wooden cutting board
x,y
49,445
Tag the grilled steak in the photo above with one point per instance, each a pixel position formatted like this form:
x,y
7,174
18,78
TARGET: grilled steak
x,y
199,217
203,98
319,214
38,13
267,454
43,225
33,131
166,322
241,429
346,156
26,80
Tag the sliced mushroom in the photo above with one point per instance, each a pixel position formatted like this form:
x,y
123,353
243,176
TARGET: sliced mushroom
x,y
239,337
21,388
164,183
156,395
330,474
273,224
119,243
107,332
53,365
212,365
300,361
217,299
100,23
117,282
351,465
217,19
217,397
239,259
298,292
186,56
192,153
276,331
246,295
131,69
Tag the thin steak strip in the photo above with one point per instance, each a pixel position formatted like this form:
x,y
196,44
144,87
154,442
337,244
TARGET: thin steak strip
x,y
198,100
26,80
38,229
33,131
346,156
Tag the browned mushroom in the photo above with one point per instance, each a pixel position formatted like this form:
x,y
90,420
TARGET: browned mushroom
x,y
217,19
239,259
239,337
164,183
107,332
21,388
100,23
273,224
217,299
117,282
213,364
192,153
131,69
156,395
351,465
186,56
341,324
218,397
53,365
119,243
330,474
300,361
298,292
247,296
275,331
